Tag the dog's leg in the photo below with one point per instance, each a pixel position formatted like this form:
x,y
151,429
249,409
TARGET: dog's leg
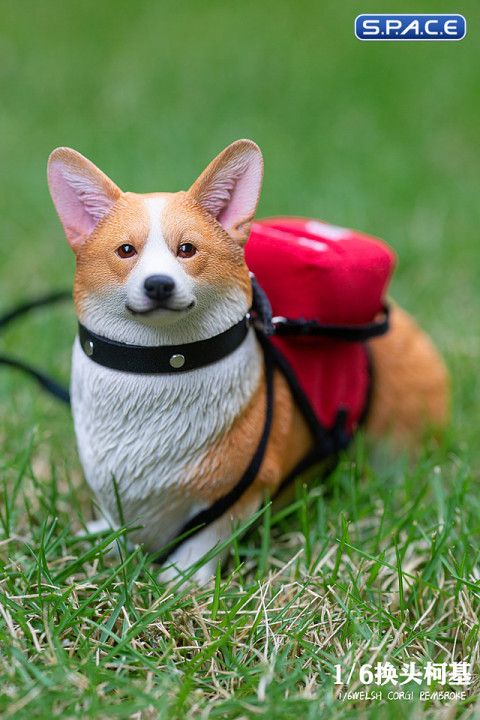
x,y
410,383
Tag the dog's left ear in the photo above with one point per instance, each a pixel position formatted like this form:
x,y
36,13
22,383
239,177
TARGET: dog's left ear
x,y
230,186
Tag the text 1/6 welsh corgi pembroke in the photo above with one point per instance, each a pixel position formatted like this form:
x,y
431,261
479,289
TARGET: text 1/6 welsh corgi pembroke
x,y
165,269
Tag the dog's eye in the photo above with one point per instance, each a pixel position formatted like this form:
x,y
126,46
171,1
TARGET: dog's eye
x,y
126,251
187,250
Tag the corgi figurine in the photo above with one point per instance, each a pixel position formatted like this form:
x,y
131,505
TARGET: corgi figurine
x,y
159,274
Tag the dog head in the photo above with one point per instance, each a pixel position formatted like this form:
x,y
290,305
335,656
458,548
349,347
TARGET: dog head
x,y
159,267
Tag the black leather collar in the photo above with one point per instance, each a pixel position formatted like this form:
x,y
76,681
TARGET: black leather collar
x,y
164,358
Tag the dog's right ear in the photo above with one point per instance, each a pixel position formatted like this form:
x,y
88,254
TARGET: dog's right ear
x,y
230,186
82,194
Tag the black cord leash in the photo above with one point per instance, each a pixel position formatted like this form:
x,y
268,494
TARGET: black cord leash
x,y
24,308
49,384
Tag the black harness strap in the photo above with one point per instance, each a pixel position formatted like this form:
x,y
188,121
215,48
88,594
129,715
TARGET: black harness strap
x,y
261,307
327,444
347,333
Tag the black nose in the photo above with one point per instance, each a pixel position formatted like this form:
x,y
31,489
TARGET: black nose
x,y
159,287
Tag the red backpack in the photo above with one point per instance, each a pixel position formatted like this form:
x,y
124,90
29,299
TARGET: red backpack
x,y
326,287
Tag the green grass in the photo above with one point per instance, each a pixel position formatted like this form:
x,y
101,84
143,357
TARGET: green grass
x,y
372,566
380,563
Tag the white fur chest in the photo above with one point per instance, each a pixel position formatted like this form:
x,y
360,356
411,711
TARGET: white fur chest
x,y
148,432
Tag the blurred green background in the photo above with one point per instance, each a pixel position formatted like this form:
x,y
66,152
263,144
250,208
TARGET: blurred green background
x,y
383,137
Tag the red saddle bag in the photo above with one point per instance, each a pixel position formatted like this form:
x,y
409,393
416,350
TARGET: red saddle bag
x,y
326,286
